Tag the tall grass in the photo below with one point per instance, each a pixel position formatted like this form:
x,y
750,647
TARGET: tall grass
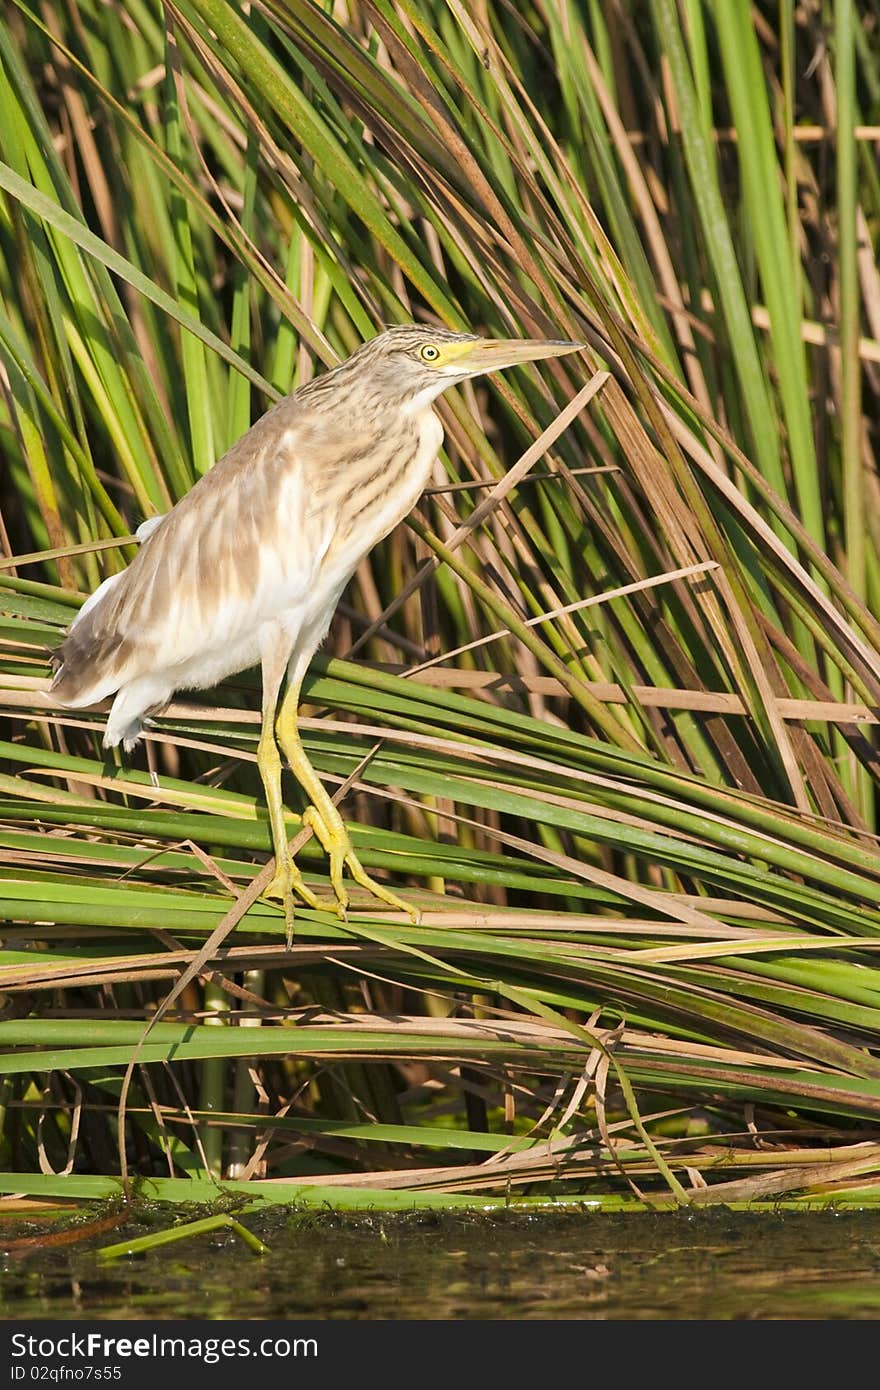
x,y
608,717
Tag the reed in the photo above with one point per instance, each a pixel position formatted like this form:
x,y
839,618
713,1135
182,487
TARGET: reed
x,y
613,722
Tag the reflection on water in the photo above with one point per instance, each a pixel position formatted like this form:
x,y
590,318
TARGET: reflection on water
x,y
552,1265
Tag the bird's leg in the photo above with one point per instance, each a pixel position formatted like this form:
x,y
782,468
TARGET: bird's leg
x,y
323,817
288,879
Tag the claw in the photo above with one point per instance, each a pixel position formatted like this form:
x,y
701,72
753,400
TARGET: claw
x,y
289,881
337,845
329,838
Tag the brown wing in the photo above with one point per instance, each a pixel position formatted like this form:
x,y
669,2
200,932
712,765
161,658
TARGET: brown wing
x,y
225,553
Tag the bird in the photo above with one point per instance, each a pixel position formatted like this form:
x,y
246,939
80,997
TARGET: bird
x,y
249,565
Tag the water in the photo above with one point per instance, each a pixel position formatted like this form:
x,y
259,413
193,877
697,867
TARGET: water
x,y
557,1265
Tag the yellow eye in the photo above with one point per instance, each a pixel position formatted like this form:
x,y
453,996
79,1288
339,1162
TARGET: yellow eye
x,y
429,353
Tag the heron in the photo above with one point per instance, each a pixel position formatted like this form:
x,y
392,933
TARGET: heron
x,y
250,564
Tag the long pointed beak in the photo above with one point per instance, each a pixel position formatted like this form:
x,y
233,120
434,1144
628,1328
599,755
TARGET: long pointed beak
x,y
492,354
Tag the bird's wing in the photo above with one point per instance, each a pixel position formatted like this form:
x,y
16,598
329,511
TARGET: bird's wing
x,y
147,527
241,547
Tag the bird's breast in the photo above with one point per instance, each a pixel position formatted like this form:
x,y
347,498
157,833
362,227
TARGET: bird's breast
x,y
382,491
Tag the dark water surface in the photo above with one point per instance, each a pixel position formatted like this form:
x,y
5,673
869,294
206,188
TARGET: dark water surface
x,y
551,1265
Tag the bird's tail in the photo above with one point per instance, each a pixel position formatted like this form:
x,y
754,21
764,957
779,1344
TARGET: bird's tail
x,y
76,685
90,663
87,668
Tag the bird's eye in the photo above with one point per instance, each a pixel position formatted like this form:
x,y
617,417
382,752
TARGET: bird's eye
x,y
429,353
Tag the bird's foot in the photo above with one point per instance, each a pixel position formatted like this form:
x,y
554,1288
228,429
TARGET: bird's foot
x,y
289,881
337,845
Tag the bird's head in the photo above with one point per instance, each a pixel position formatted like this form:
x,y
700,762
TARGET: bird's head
x,y
413,364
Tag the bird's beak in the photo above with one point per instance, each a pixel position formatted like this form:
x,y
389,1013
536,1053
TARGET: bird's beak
x,y
492,354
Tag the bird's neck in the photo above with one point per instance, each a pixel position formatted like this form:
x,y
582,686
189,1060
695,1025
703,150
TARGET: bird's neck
x,y
383,486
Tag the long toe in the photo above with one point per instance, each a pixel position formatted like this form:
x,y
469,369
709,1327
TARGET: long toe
x,y
287,882
337,846
378,890
335,843
281,890
336,852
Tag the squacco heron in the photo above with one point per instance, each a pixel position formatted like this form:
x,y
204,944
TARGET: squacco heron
x,y
250,564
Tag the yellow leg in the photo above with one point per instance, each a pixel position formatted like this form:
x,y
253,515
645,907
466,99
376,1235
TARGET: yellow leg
x,y
324,818
288,879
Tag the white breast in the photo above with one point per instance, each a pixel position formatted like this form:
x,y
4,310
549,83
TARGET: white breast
x,y
418,473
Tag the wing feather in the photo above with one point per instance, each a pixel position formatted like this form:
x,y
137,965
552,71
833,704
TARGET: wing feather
x,y
242,546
